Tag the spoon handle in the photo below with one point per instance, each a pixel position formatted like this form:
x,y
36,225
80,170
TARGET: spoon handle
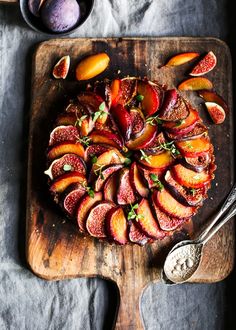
x,y
223,221
227,203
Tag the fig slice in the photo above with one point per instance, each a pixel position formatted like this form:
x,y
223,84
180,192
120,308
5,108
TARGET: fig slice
x,y
194,147
185,196
190,179
65,164
146,221
86,203
95,222
127,91
195,84
63,134
123,120
63,181
138,122
198,130
205,65
116,224
66,148
197,164
166,222
71,198
175,110
137,181
171,206
99,182
143,141
183,126
162,160
91,66
61,69
125,192
151,97
180,59
212,96
137,236
110,187
216,112
104,137
65,119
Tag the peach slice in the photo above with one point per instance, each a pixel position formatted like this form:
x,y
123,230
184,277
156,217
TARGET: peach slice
x,y
125,192
143,141
152,97
109,157
66,148
137,236
146,221
159,161
63,181
195,84
71,198
137,181
212,96
190,179
63,134
106,173
116,225
95,222
104,137
85,205
92,66
180,59
216,112
115,91
194,147
61,69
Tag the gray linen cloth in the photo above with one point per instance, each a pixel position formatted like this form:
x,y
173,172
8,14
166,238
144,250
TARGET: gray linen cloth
x,y
27,302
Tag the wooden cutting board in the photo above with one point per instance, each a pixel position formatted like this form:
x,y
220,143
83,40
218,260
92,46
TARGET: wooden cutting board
x,y
55,249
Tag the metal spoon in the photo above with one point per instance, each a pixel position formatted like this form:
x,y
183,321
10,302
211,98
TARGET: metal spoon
x,y
186,255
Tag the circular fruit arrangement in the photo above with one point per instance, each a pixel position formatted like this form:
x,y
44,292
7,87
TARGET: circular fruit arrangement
x,y
130,160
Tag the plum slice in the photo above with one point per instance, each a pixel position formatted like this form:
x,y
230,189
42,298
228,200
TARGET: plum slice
x,y
117,226
62,134
137,181
197,164
161,160
145,139
195,147
147,174
170,99
66,148
171,206
63,181
95,150
86,203
155,147
95,222
99,182
110,187
187,197
71,197
104,137
190,179
146,221
137,236
123,120
151,97
174,109
184,126
125,192
103,89
165,221
199,130
66,163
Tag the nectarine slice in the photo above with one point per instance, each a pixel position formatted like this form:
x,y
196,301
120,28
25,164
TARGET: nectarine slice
x,y
212,96
123,120
145,139
63,181
104,137
137,181
183,126
161,160
152,97
100,181
92,66
116,225
194,147
65,148
195,84
180,59
190,179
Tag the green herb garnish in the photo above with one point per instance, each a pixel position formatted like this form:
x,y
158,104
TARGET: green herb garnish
x,y
101,112
80,120
127,161
88,189
132,215
139,97
98,171
156,181
168,146
94,159
153,120
145,157
192,191
85,140
179,122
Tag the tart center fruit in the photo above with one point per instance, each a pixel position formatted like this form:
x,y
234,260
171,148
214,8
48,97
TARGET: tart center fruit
x,y
130,160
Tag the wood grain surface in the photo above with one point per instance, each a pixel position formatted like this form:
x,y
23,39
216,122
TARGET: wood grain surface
x,y
55,249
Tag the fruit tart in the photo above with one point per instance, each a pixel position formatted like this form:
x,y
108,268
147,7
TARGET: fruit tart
x,y
130,161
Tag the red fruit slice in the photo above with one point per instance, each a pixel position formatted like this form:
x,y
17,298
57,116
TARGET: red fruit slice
x,y
185,196
171,206
62,134
123,120
116,224
183,126
170,99
61,183
197,164
189,178
138,122
211,96
125,193
110,187
103,89
166,222
115,91
144,140
136,235
106,138
95,150
180,59
85,205
205,65
66,119
198,130
177,110
216,112
195,147
66,148
128,89
95,222
155,148
99,182
152,97
146,172
137,181
71,198
61,69
195,84
65,164
146,221
161,160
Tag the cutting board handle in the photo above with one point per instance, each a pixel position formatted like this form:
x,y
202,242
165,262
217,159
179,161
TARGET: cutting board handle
x,y
128,312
